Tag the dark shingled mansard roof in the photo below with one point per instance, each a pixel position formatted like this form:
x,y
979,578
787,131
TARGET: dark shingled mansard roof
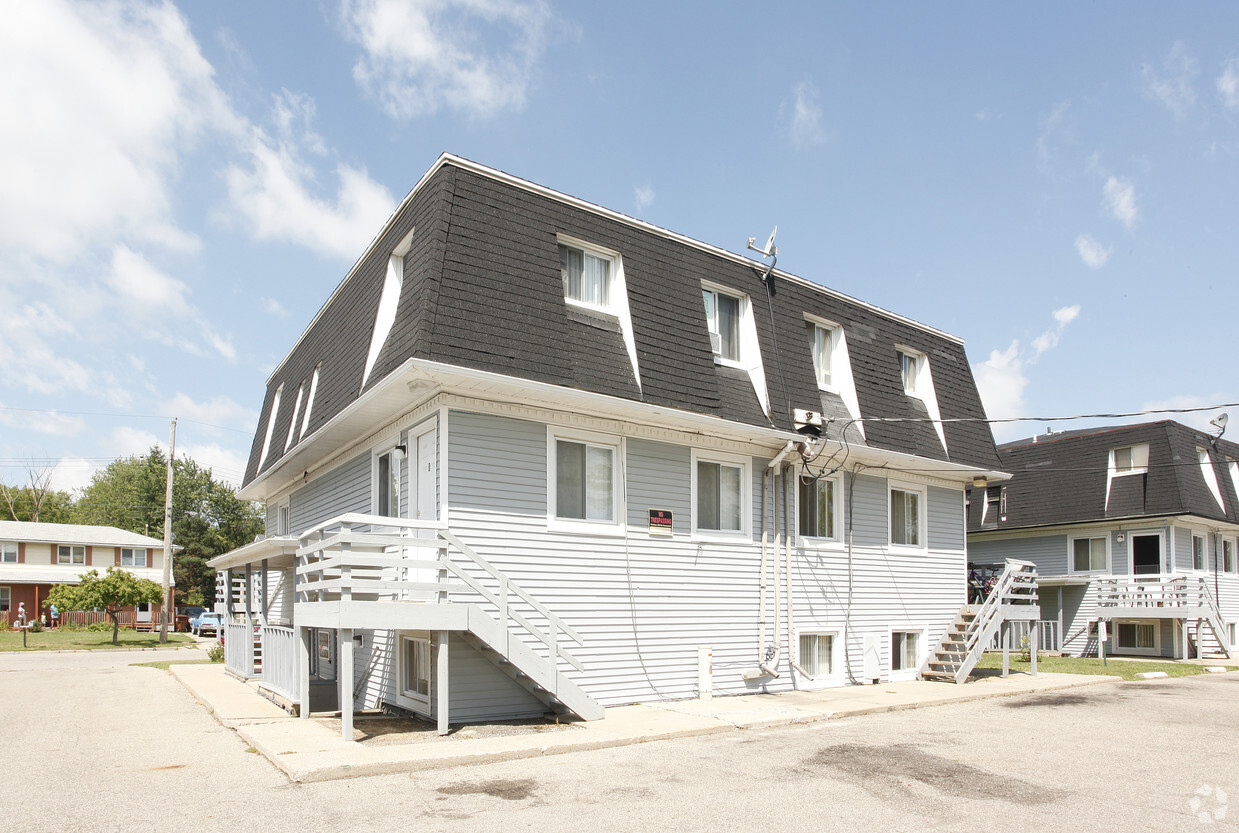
x,y
1061,478
482,290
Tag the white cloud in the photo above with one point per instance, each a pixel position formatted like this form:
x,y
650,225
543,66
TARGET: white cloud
x,y
1049,339
218,411
807,130
644,195
1171,84
72,474
1091,252
1002,378
276,195
43,422
419,56
273,307
1119,198
1053,129
226,464
1228,84
110,96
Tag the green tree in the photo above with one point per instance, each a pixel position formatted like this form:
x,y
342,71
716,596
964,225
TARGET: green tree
x,y
208,519
112,593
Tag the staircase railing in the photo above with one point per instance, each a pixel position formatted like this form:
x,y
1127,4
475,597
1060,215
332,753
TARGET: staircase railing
x,y
1016,587
1188,595
367,558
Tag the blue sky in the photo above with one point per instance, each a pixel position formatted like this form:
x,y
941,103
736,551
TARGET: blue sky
x,y
182,186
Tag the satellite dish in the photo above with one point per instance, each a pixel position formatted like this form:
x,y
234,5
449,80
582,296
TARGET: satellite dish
x,y
769,250
1220,423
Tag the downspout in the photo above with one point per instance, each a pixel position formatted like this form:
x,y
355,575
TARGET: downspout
x,y
766,665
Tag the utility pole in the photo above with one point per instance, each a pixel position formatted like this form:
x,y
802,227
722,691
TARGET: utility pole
x,y
167,541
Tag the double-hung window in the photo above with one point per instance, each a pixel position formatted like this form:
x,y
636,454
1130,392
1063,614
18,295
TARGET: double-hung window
x,y
723,320
70,555
387,484
1228,555
1199,560
586,480
1088,555
133,556
6,598
587,276
817,507
720,495
907,519
8,552
1133,459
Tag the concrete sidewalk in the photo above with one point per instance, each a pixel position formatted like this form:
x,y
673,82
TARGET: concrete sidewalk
x,y
312,750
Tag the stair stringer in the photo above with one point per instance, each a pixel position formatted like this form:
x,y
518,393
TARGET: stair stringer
x,y
533,672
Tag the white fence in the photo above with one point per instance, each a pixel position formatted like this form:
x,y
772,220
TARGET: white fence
x,y
1050,638
239,649
279,661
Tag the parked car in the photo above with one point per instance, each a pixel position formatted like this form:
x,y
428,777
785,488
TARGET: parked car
x,y
207,621
187,613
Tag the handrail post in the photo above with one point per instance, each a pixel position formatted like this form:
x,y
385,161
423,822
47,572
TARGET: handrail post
x,y
346,570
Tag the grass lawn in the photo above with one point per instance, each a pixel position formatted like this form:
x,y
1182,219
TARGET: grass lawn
x,y
1127,669
67,640
163,664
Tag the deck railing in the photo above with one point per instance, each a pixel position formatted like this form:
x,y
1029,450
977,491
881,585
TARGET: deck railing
x,y
1154,591
1049,639
371,558
279,661
239,649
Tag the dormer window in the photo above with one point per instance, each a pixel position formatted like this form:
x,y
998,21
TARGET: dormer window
x,y
909,370
723,319
1206,470
823,354
1132,459
587,276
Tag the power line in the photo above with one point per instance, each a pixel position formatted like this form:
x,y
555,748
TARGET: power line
x,y
120,416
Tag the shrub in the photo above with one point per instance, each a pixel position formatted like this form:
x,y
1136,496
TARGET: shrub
x,y
216,653
35,626
99,627
4,624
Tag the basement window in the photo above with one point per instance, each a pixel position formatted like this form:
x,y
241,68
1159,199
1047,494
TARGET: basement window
x,y
817,654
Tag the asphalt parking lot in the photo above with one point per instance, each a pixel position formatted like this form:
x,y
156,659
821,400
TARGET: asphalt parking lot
x,y
95,744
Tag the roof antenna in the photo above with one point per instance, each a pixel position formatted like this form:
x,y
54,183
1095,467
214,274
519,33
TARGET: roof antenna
x,y
770,251
1220,424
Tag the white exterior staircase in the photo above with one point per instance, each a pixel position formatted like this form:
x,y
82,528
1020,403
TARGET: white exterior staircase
x,y
1014,598
1184,598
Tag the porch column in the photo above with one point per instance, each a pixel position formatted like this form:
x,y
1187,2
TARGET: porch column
x,y
1005,631
303,670
1183,638
1035,644
441,682
344,677
266,600
228,591
1061,635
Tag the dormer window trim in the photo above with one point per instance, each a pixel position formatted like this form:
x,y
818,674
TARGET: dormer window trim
x,y
1209,475
616,305
590,252
842,382
747,346
918,381
1129,459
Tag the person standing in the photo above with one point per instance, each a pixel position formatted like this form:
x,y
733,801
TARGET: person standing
x,y
55,617
21,614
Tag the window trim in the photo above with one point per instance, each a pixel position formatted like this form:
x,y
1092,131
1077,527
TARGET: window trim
x,y
614,273
1209,474
831,677
922,520
133,552
1229,564
1134,469
837,506
283,517
922,649
743,311
619,505
4,545
745,464
1071,549
833,333
1204,553
6,598
406,697
72,555
397,458
1113,634
918,364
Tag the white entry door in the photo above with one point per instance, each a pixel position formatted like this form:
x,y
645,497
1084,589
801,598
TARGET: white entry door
x,y
425,487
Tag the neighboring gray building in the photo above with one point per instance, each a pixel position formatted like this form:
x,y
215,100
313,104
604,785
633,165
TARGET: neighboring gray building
x,y
1135,526
594,447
